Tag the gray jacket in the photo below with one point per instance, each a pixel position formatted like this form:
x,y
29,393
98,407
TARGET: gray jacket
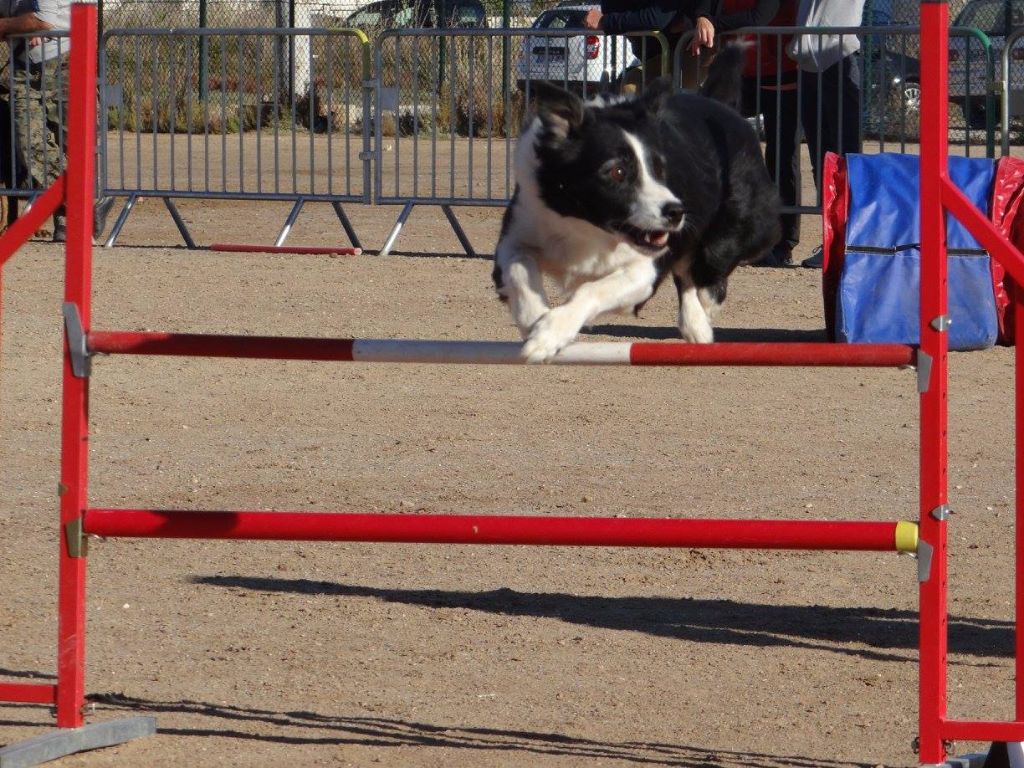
x,y
818,52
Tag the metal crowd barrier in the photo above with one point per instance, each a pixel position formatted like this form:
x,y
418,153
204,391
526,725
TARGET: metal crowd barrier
x,y
450,105
427,116
1012,85
214,114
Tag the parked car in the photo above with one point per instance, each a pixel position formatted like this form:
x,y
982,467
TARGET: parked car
x,y
580,59
891,89
401,14
968,70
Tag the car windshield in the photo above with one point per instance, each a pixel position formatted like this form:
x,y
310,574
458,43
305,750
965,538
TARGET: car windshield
x,y
370,16
992,17
466,16
561,18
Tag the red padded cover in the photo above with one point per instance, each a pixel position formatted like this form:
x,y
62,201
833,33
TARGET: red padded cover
x,y
1007,194
835,200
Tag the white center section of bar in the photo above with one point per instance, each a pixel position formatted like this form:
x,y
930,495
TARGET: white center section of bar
x,y
492,352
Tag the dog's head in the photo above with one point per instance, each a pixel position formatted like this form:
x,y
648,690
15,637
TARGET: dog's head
x,y
601,161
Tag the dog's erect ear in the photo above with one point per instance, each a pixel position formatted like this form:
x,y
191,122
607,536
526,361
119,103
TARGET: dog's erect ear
x,y
561,112
656,92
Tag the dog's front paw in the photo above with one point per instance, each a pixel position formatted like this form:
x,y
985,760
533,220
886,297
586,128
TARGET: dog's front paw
x,y
549,335
697,333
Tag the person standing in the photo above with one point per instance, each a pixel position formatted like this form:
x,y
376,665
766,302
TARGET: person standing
x,y
830,83
770,89
38,82
673,18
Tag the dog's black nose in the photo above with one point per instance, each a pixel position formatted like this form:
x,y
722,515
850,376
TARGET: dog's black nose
x,y
672,213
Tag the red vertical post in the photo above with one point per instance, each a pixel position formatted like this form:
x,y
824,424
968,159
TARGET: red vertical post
x,y
75,420
933,403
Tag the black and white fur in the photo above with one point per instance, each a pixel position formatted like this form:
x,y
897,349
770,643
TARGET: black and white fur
x,y
614,193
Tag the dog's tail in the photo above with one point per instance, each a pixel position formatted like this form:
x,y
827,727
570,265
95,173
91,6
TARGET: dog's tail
x,y
724,79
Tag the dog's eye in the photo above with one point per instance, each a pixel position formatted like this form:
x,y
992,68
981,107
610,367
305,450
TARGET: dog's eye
x,y
617,173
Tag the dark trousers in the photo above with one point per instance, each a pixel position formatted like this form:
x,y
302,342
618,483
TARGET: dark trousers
x,y
830,111
780,110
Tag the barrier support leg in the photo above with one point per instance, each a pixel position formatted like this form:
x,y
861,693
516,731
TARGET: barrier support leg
x,y
293,215
459,233
180,224
393,235
122,218
346,224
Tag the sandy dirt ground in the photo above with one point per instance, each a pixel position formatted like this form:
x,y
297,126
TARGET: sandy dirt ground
x,y
294,654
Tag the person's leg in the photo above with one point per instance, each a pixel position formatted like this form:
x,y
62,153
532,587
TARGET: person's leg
x,y
40,116
810,116
39,108
635,79
814,118
781,152
632,81
840,108
850,127
52,146
653,65
8,205
784,136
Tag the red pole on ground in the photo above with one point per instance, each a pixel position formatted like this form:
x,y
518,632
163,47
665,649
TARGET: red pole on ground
x,y
933,401
75,418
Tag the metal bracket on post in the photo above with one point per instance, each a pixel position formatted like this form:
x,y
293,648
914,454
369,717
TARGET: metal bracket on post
x,y
941,323
78,544
924,370
924,561
942,512
81,363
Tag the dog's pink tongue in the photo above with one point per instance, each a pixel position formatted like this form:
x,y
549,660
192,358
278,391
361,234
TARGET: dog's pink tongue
x,y
657,239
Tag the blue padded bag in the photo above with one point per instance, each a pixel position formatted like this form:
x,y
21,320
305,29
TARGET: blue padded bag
x,y
878,295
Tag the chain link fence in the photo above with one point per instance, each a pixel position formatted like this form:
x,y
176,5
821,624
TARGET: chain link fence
x,y
299,13
373,17
369,15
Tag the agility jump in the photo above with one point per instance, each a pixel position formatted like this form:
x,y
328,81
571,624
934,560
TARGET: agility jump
x,y
927,537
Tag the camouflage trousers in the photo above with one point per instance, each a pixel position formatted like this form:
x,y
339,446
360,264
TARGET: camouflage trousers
x,y
38,95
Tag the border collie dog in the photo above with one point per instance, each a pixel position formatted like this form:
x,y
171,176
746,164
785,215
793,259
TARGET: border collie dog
x,y
613,194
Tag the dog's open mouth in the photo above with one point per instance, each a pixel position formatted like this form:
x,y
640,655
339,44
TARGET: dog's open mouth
x,y
647,239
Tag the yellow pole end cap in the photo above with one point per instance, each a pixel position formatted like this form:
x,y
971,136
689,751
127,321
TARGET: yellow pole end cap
x,y
906,536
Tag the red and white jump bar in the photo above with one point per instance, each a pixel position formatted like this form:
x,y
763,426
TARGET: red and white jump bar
x,y
500,352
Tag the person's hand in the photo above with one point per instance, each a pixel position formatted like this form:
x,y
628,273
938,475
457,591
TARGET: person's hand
x,y
592,19
34,41
703,35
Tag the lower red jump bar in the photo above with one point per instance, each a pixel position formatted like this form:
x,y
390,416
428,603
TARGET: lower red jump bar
x,y
498,352
503,529
982,730
28,693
